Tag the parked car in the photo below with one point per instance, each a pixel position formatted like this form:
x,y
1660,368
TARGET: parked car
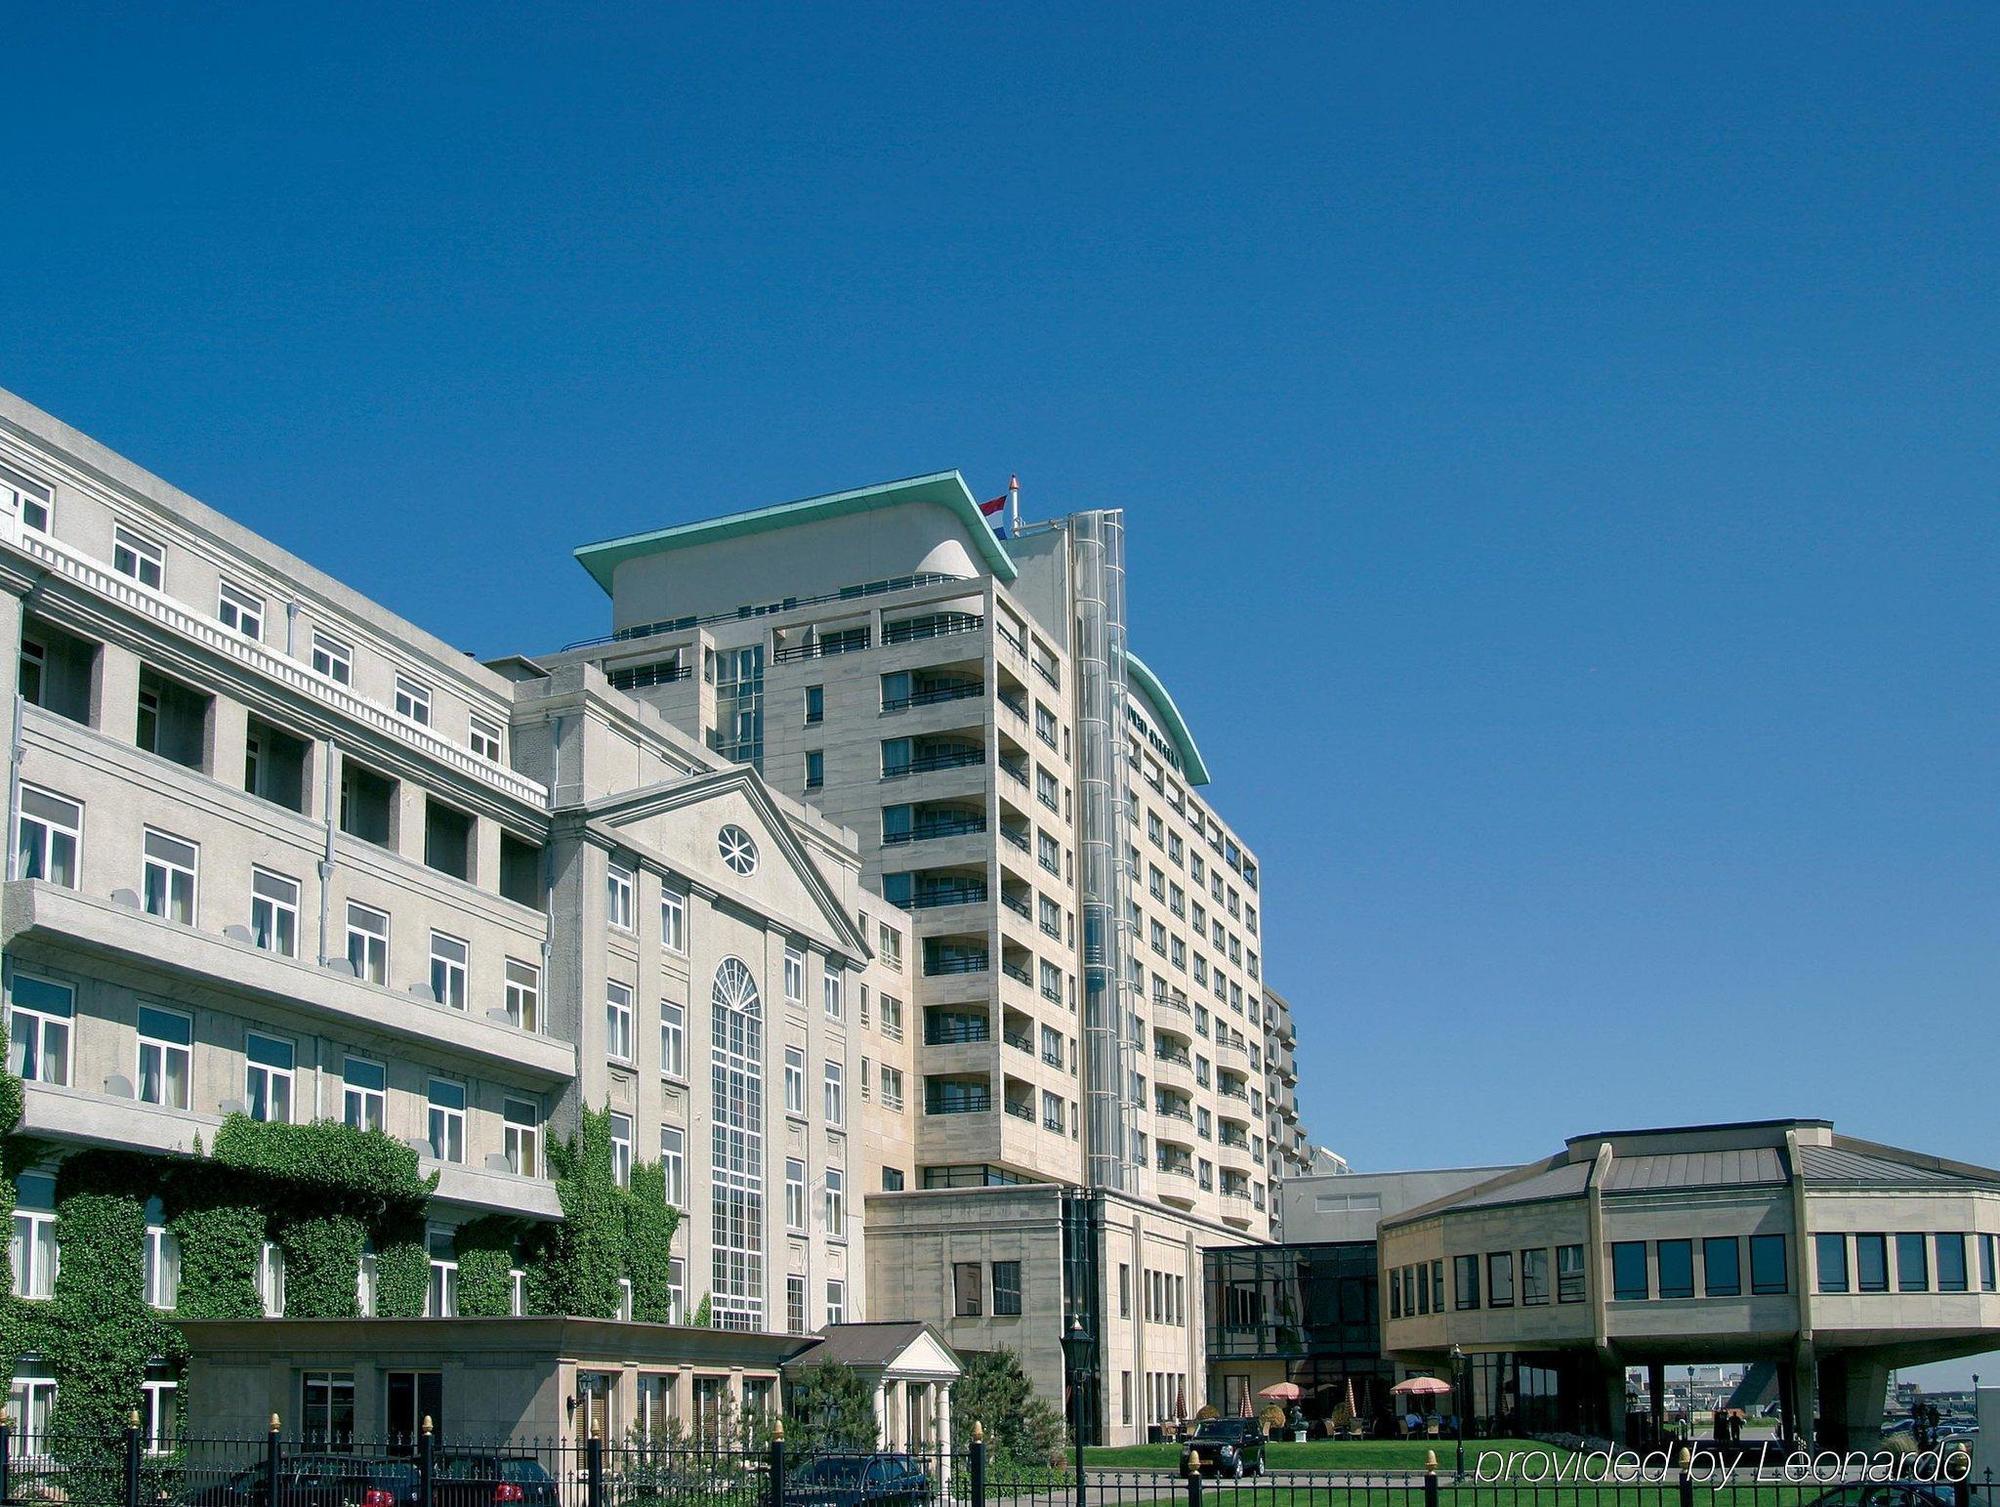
x,y
1887,1494
879,1480
1224,1447
317,1481
462,1479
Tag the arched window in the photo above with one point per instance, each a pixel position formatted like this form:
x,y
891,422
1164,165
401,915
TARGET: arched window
x,y
736,1238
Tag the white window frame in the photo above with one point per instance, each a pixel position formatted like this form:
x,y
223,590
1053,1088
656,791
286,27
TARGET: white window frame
x,y
795,1194
836,1203
164,1049
892,1087
34,501
484,738
832,991
270,905
365,1106
451,969
332,658
836,1300
521,1120
673,920
240,610
279,1082
621,1148
795,978
673,1040
180,877
795,1081
271,1279
618,885
524,994
162,1267
35,1232
834,1081
372,966
673,1164
138,558
44,828
618,1021
413,700
444,1122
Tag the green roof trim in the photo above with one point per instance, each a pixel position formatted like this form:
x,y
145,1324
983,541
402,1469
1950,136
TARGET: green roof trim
x,y
1172,722
945,489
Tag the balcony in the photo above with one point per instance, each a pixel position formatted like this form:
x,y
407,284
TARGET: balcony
x,y
945,1028
1173,1002
1018,973
934,759
957,1096
639,677
956,824
1174,1071
1020,1041
1236,1208
1015,702
856,592
1175,1184
1018,836
930,625
1021,1109
942,962
933,896
1017,905
843,641
1233,1055
934,694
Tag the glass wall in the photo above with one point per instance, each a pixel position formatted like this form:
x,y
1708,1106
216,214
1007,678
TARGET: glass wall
x,y
1313,1307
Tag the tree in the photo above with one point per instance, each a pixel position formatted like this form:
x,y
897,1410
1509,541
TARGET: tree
x,y
1021,1428
829,1407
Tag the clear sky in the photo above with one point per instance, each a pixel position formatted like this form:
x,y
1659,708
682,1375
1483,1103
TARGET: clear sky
x,y
1558,444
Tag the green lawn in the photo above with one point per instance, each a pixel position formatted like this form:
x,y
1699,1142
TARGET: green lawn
x,y
1320,1454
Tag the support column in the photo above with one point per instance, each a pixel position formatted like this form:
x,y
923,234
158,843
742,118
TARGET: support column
x,y
228,732
407,821
114,697
1856,1402
1807,1387
1788,1411
1656,1394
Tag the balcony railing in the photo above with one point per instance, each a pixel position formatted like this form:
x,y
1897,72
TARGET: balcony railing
x,y
1018,705
1173,1112
957,1099
1021,1111
955,1030
1016,972
638,677
933,695
1045,672
766,609
1017,905
1020,1041
1053,1059
929,831
933,625
1179,1059
948,894
1016,769
955,962
1018,838
849,641
1012,640
950,758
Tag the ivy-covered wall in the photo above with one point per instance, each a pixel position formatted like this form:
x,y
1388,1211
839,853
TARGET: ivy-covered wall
x,y
323,1192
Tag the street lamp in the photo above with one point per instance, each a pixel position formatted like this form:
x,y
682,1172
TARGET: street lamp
x,y
1079,1360
1458,1404
1690,1411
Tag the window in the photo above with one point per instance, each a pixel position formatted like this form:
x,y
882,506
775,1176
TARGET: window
x,y
673,1039
1767,1264
673,920
618,896
967,1278
162,1259
1721,1266
795,978
48,837
621,1150
1871,1263
332,659
815,768
795,1080
1500,1279
368,943
328,1407
836,1301
836,1204
738,850
1989,1262
240,611
736,1242
363,1092
795,1194
522,1122
274,912
892,1017
795,1305
138,557
815,705
33,1249
830,992
836,1098
1465,1281
267,1078
157,1395
524,995
170,874
617,1022
166,1053
1913,1267
413,701
484,739
1628,1271
892,1087
1534,1278
892,1179
1006,1288
271,1280
1676,1260
1830,1262
448,970
891,948
441,1296
1951,1263
33,500
1124,1290
447,1119
673,1164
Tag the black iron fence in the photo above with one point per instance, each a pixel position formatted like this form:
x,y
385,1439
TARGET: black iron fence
x,y
130,1470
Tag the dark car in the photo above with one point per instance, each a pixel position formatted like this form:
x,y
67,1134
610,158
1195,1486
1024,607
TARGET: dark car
x,y
859,1481
1224,1447
463,1479
317,1481
1887,1494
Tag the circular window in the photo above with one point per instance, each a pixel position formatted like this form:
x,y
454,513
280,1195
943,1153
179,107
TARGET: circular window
x,y
737,848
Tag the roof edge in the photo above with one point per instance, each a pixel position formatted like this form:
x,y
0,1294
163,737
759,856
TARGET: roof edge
x,y
948,490
1193,767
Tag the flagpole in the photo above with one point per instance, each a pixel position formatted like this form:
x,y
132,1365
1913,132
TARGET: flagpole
x,y
1013,507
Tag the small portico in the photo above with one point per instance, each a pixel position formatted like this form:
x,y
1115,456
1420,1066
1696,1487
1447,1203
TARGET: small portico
x,y
910,1370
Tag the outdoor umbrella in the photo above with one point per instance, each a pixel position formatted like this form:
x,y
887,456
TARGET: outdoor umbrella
x,y
1283,1391
1421,1386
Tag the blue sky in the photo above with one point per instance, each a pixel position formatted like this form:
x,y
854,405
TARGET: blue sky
x,y
1559,445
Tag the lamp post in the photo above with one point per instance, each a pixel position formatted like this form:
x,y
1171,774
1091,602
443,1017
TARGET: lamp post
x,y
1079,1359
1458,1404
1690,1412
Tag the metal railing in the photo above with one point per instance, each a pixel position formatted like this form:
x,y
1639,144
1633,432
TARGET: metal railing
x,y
929,831
638,677
936,895
953,758
849,641
954,962
767,609
936,625
933,695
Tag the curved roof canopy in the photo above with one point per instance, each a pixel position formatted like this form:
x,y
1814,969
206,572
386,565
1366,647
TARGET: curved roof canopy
x,y
1172,723
945,489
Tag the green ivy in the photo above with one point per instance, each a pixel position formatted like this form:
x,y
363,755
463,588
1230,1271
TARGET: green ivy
x,y
576,1262
221,1241
650,1222
485,1250
322,1266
